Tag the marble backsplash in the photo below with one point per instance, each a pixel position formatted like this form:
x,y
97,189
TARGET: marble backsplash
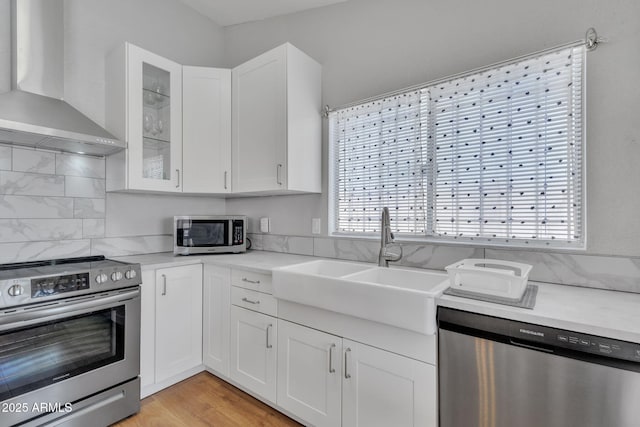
x,y
593,271
52,205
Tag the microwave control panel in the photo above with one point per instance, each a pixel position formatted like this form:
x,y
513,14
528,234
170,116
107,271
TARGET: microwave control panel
x,y
237,236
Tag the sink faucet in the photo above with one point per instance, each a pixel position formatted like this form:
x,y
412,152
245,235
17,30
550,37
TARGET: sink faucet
x,y
386,241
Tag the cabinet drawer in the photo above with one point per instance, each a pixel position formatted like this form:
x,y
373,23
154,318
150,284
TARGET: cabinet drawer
x,y
250,280
256,301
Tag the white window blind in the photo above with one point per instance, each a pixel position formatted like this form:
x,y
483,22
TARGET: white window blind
x,y
379,156
490,156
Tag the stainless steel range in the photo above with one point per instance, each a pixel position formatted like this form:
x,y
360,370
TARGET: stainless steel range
x,y
69,342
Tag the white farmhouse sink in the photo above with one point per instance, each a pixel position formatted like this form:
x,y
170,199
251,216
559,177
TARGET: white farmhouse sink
x,y
397,297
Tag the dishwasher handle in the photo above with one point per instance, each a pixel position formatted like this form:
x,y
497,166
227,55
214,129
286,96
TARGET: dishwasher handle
x,y
530,346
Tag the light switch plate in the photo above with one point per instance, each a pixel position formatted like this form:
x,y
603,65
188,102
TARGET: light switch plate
x,y
315,225
265,224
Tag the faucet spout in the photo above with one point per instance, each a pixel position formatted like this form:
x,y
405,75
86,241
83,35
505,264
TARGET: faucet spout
x,y
386,241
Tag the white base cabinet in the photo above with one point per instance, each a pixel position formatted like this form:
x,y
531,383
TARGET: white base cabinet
x,y
171,326
253,351
148,329
319,378
329,381
215,334
309,374
383,389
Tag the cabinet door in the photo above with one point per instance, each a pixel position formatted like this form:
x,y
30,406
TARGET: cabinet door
x,y
384,389
217,284
259,123
253,351
147,329
206,112
154,121
309,374
178,320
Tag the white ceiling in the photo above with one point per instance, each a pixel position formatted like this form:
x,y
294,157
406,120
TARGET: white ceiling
x,y
230,12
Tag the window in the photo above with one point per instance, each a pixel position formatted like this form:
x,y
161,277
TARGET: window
x,y
492,156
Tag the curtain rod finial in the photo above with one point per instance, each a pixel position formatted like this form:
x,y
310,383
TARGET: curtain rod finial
x,y
591,39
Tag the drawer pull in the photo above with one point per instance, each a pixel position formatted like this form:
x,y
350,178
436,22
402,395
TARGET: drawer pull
x,y
256,282
331,368
245,299
269,326
347,375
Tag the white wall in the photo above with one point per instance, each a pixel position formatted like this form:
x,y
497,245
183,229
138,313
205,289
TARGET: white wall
x,y
368,47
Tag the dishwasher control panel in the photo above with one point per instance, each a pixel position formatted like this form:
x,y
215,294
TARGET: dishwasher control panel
x,y
576,341
539,337
599,345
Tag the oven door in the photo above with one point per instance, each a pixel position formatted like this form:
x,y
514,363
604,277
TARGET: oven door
x,y
60,352
202,233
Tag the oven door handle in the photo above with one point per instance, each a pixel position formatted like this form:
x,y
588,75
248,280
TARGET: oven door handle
x,y
61,309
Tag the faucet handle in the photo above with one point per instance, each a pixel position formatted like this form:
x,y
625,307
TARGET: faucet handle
x,y
393,255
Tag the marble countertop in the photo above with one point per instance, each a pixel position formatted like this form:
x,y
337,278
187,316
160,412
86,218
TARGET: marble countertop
x,y
593,311
256,261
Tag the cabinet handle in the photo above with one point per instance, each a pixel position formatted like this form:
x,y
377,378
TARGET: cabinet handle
x,y
257,282
178,173
225,179
164,284
245,299
346,362
269,326
331,368
278,170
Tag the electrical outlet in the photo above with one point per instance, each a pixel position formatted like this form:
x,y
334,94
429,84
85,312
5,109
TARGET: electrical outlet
x,y
315,225
265,224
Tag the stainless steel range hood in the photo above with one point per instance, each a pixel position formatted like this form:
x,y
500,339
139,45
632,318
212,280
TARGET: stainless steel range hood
x,y
34,113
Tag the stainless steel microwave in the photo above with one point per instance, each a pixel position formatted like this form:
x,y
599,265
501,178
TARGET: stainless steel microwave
x,y
213,234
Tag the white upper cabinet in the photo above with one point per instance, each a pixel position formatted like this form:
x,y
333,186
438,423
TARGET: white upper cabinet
x,y
276,135
176,121
144,108
206,112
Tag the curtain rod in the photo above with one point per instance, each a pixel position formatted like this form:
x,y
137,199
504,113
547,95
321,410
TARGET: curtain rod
x,y
591,41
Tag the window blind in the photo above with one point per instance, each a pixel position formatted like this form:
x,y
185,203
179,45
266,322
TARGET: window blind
x,y
379,158
491,156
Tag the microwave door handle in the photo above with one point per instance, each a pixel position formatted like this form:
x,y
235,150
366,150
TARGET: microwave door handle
x,y
63,309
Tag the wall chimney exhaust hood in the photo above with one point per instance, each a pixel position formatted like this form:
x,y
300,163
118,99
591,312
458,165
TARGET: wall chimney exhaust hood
x,y
34,113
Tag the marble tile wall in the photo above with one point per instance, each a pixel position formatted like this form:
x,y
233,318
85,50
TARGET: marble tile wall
x,y
52,205
593,271
414,255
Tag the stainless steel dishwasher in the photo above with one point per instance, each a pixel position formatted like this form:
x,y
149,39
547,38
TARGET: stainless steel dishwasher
x,y
495,372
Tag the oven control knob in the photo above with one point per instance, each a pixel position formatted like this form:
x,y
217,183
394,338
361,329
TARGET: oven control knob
x,y
101,278
130,274
115,276
15,290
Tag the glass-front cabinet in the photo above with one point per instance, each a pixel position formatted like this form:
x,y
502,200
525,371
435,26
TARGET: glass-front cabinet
x,y
151,123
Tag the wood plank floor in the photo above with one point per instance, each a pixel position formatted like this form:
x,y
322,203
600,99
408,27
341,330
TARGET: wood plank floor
x,y
204,400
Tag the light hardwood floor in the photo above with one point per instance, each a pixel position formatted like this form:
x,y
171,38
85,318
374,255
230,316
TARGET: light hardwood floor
x,y
204,400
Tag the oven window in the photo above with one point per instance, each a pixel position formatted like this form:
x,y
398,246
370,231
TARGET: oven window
x,y
202,233
37,356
